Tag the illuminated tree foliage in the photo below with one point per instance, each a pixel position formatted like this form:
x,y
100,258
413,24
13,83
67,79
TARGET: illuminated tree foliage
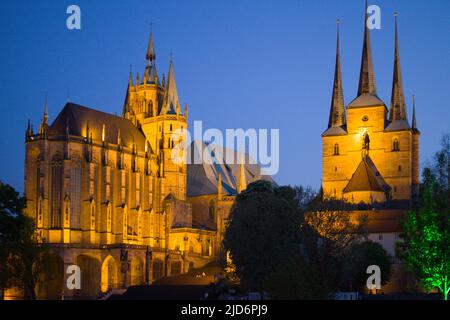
x,y
279,248
425,246
330,233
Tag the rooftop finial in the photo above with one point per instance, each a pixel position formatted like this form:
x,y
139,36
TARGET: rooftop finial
x,y
46,107
242,181
414,122
130,79
103,133
219,187
44,121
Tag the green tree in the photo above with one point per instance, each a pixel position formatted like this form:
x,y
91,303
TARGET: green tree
x,y
361,256
425,245
23,259
264,237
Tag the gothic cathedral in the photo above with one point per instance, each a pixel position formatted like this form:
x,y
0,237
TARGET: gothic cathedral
x,y
110,194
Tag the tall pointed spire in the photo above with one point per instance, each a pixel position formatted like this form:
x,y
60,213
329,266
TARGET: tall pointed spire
x,y
398,106
367,83
150,74
125,107
130,77
150,54
172,101
337,109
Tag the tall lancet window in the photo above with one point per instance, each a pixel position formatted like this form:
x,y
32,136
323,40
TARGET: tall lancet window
x,y
138,189
150,109
56,178
75,195
395,145
212,210
336,149
38,189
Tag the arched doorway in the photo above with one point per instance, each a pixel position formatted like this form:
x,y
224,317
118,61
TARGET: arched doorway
x,y
110,274
90,277
137,271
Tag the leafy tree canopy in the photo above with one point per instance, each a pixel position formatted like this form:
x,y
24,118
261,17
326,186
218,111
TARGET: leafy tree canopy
x,y
365,254
264,235
425,245
23,259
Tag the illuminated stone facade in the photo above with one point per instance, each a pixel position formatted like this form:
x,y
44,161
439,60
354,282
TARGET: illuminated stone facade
x,y
370,154
108,195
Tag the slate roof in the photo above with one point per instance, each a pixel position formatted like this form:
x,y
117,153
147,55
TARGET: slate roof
x,y
77,117
202,179
381,221
366,100
366,178
335,131
398,125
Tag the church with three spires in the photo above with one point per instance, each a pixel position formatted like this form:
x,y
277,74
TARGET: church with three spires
x,y
110,194
370,153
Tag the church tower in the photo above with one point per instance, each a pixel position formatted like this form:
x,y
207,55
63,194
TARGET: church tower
x,y
153,106
370,153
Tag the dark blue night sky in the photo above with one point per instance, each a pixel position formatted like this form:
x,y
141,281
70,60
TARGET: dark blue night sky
x,y
238,64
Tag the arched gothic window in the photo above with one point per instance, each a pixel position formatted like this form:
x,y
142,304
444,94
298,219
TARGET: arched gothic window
x,y
150,109
336,149
75,195
395,145
56,186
